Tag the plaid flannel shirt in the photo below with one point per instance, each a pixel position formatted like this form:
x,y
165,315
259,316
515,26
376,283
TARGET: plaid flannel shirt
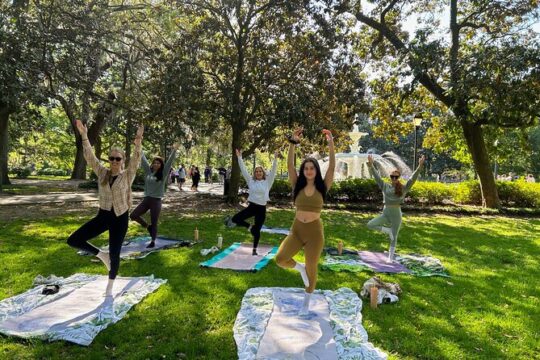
x,y
117,196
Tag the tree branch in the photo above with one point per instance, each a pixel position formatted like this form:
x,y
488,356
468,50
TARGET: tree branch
x,y
423,77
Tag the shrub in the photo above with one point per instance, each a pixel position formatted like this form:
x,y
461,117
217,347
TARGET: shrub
x,y
281,188
467,192
431,193
519,193
53,172
21,172
356,190
512,194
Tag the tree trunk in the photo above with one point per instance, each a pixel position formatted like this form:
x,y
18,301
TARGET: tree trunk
x,y
4,145
234,183
477,147
79,168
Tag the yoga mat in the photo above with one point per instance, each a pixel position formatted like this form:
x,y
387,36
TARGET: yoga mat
x,y
289,336
422,265
268,327
238,257
354,261
377,262
78,312
348,262
136,248
269,230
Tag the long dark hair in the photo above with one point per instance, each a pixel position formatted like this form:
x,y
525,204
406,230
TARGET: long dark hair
x,y
301,181
398,186
159,173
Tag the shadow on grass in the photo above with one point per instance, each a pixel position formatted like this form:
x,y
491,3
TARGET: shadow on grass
x,y
486,310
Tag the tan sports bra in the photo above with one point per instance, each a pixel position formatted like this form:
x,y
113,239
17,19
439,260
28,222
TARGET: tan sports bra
x,y
313,203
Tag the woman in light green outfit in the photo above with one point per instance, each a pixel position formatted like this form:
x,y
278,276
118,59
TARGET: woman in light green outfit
x,y
389,221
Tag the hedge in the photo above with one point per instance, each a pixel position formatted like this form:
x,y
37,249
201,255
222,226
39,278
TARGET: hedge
x,y
512,194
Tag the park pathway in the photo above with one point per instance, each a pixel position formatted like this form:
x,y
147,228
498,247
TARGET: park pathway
x,y
61,197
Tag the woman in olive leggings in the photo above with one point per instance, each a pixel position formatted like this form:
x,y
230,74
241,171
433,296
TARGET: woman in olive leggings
x,y
307,231
393,195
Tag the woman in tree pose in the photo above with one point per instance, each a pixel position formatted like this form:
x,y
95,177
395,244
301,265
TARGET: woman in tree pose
x,y
259,186
307,232
154,189
114,185
393,195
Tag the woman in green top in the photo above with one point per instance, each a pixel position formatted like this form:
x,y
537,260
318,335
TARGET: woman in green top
x,y
393,195
154,188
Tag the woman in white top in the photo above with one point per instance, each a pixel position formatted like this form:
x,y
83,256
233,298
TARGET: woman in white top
x,y
259,189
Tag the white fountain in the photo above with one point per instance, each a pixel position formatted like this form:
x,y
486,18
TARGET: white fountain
x,y
355,164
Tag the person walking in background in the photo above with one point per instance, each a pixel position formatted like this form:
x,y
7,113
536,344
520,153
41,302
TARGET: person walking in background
x,y
195,178
181,177
207,174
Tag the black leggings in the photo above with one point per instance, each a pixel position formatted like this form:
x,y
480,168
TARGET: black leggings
x,y
104,220
154,205
259,211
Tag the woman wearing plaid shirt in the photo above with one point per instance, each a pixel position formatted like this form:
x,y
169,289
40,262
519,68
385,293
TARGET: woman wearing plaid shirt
x,y
114,185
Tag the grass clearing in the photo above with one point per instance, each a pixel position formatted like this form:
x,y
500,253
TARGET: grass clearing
x,y
488,309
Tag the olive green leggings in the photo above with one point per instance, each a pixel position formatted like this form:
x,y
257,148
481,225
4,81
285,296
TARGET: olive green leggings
x,y
309,236
390,216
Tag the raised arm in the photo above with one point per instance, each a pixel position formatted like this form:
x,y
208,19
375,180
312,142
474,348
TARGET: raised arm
x,y
374,172
329,177
144,164
415,174
243,168
88,152
294,139
272,173
137,154
171,159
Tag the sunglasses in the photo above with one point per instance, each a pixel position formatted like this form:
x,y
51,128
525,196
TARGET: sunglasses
x,y
113,158
394,177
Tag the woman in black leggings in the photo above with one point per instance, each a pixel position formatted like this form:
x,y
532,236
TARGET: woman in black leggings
x,y
259,193
114,185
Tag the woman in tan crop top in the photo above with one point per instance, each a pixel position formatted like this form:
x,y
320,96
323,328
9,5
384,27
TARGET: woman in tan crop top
x,y
307,232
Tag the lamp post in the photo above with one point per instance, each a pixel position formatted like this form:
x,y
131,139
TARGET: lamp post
x,y
417,122
496,165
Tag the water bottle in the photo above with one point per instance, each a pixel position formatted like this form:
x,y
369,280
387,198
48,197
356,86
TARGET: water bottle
x,y
219,241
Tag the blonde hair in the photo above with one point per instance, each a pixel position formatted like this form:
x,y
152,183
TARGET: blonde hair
x,y
107,177
262,169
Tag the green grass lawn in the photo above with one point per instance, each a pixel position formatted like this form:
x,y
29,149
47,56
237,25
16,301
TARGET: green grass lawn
x,y
488,309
